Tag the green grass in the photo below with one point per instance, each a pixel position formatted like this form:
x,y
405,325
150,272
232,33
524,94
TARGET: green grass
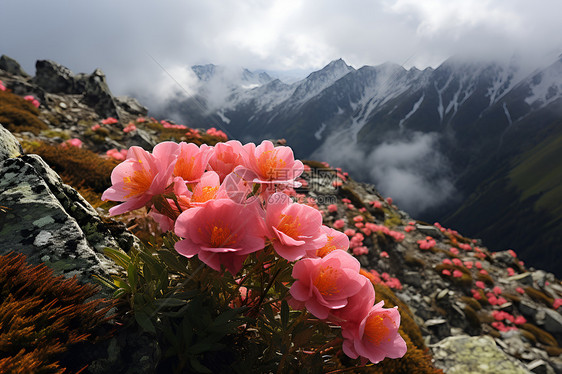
x,y
538,172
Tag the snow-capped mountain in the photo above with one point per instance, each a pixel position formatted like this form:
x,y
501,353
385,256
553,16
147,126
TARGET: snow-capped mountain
x,y
454,130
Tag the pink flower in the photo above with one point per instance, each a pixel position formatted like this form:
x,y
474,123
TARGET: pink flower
x,y
483,272
454,250
519,320
447,262
294,229
141,176
130,127
468,264
446,272
74,142
2,87
272,164
346,200
457,273
32,100
360,250
557,303
389,200
478,265
118,155
376,337
220,232
95,127
510,272
376,204
457,262
339,223
141,120
358,219
206,189
217,133
192,161
426,243
497,290
521,291
480,284
512,253
226,157
324,284
334,240
384,254
409,228
109,121
349,232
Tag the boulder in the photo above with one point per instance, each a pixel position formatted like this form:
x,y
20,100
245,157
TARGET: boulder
x,y
51,223
10,145
474,355
11,66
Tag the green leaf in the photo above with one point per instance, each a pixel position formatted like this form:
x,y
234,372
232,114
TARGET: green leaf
x,y
169,302
106,282
132,275
121,283
144,321
119,256
172,262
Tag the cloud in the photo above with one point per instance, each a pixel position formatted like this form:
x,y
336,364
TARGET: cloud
x,y
411,170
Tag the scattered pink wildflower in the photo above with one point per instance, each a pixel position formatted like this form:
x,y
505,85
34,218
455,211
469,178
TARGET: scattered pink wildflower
x,y
130,127
497,290
446,272
454,250
389,200
520,290
217,133
332,208
512,253
109,121
118,155
95,127
457,273
74,142
384,254
2,87
32,100
557,303
510,272
447,262
339,223
480,284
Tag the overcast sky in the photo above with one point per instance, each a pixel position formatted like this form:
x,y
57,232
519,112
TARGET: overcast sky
x,y
125,38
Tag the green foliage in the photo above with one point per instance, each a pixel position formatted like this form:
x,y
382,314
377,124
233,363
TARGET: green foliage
x,y
18,114
210,322
42,316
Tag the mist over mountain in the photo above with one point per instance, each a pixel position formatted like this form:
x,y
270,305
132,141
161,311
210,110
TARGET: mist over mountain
x,y
436,140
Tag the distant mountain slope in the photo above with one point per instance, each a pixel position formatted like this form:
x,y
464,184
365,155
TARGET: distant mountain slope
x,y
470,123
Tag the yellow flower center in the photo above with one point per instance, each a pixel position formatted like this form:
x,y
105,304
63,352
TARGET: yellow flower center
x,y
326,281
138,183
270,165
184,167
289,226
221,236
327,248
375,328
207,193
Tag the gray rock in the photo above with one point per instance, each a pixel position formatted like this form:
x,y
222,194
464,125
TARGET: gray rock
x,y
141,138
528,309
540,367
552,321
50,222
55,78
474,355
9,145
11,66
131,105
429,230
523,278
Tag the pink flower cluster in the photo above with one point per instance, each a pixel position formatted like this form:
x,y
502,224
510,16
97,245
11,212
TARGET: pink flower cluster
x,y
32,100
557,303
74,142
426,243
217,133
2,87
168,125
130,127
109,121
194,133
232,200
373,228
118,155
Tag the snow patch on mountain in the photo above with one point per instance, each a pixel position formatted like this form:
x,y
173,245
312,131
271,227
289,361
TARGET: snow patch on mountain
x,y
414,109
546,86
318,133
